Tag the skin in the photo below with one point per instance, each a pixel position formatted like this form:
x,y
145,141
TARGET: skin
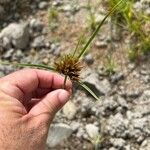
x,y
29,100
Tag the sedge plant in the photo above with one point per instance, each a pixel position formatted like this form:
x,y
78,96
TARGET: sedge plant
x,y
70,65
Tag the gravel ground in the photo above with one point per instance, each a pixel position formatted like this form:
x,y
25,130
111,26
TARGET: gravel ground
x,y
121,119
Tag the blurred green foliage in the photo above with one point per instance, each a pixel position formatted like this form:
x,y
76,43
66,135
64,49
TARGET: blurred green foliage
x,y
133,21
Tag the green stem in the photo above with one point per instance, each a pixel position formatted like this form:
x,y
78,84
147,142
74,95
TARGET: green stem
x,y
65,80
98,28
78,44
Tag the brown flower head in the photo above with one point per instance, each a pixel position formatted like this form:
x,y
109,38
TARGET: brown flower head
x,y
70,66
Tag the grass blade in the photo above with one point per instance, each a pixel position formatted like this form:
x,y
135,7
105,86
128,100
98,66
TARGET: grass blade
x,y
40,66
88,90
98,28
78,44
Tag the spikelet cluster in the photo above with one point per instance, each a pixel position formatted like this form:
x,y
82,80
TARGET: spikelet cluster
x,y
70,66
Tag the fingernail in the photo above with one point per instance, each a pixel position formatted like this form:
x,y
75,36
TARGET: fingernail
x,y
63,96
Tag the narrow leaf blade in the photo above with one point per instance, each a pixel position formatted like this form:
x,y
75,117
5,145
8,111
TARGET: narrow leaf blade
x,y
40,66
78,44
89,90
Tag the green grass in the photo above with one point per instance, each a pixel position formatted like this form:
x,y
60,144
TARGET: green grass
x,y
91,19
110,66
52,17
133,22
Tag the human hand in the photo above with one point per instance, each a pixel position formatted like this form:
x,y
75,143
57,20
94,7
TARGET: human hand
x,y
29,100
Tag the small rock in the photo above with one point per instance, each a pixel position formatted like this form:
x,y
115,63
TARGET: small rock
x,y
147,12
128,147
8,54
18,34
118,143
75,125
140,123
38,42
122,102
6,43
137,6
117,77
47,44
70,110
45,60
146,95
137,135
99,17
55,49
135,74
92,130
101,71
36,25
130,115
86,104
109,103
6,69
131,66
144,72
146,79
101,44
43,5
142,108
132,94
18,55
117,126
145,144
58,133
89,59
100,87
67,8
113,148
81,133
57,3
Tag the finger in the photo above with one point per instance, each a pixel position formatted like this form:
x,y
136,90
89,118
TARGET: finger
x,y
50,104
26,81
40,92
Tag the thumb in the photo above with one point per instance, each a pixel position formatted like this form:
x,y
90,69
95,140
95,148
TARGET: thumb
x,y
51,103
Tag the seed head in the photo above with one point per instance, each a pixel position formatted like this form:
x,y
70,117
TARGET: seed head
x,y
70,66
